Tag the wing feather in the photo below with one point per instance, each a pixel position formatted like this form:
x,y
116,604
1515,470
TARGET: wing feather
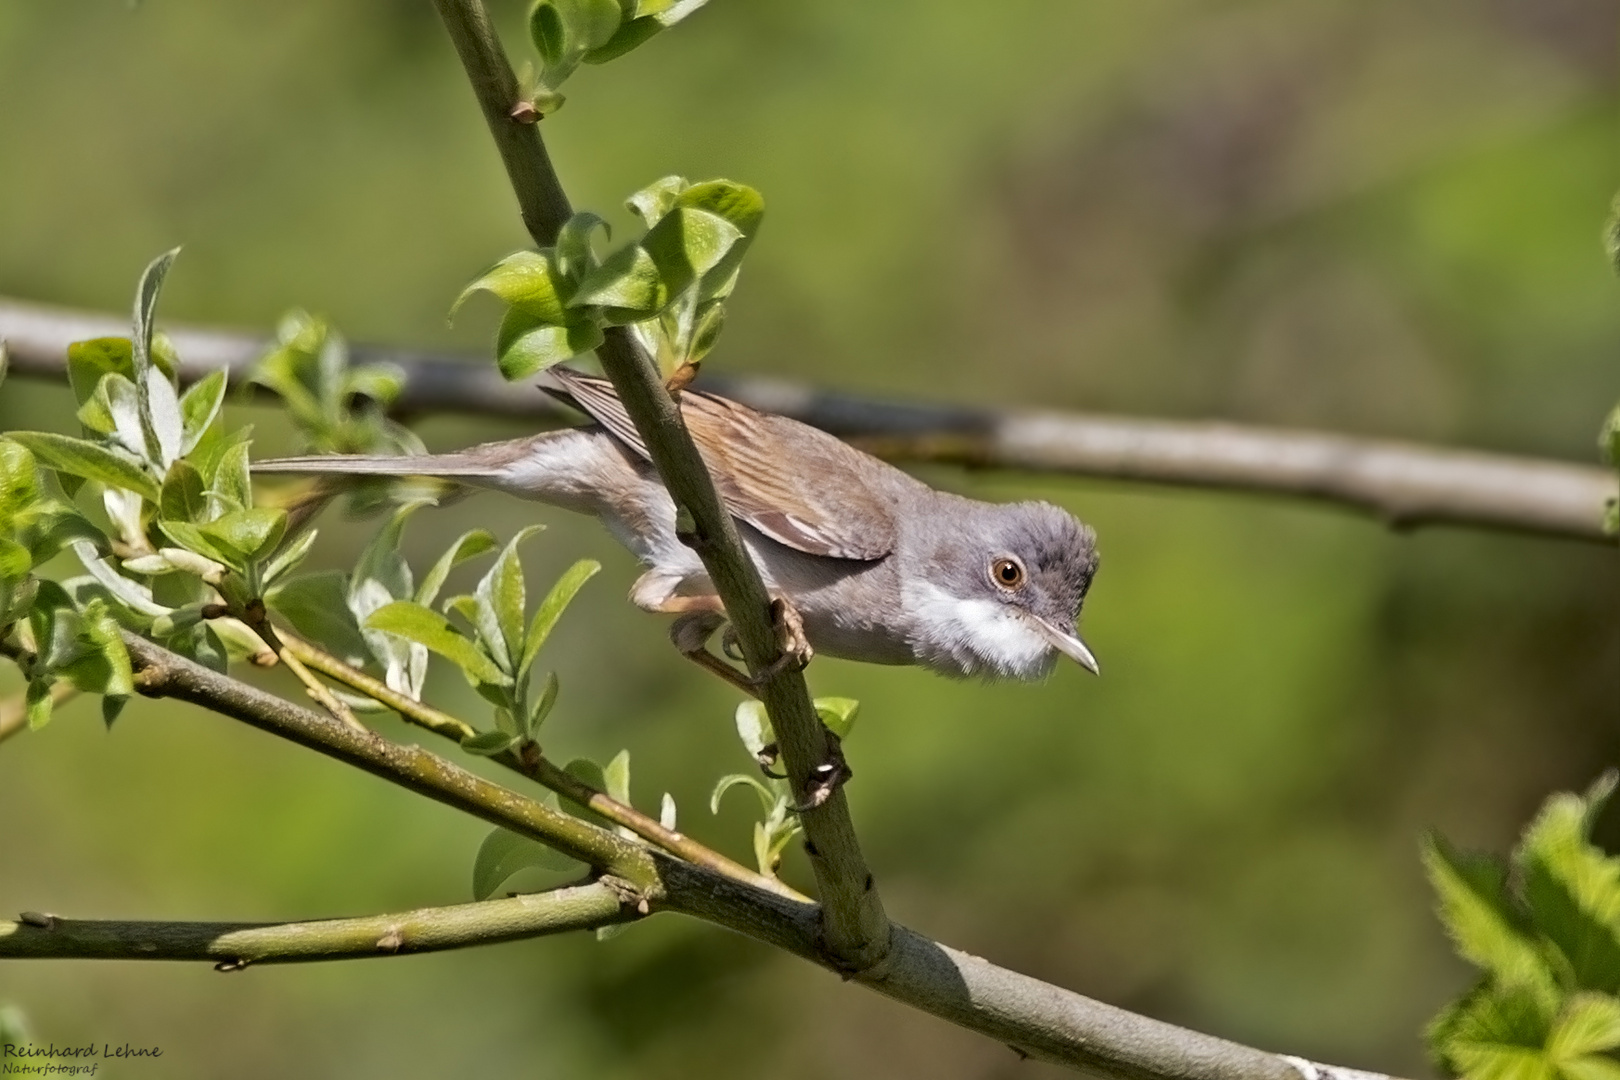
x,y
794,483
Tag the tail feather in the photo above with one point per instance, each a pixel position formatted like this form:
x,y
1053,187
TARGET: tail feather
x,y
369,465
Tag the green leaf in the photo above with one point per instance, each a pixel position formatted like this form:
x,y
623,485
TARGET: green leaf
x,y
1609,437
317,606
501,601
656,199
251,533
289,558
526,345
616,778
838,713
552,607
1611,235
687,243
19,480
629,35
193,539
467,545
1475,911
198,407
544,704
528,281
155,415
79,457
15,562
183,497
1589,1024
767,797
37,702
428,628
628,283
490,743
573,252
1573,890
549,33
754,727
503,853
232,481
89,361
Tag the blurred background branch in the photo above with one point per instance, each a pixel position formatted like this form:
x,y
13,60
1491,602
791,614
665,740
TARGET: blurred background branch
x,y
1401,483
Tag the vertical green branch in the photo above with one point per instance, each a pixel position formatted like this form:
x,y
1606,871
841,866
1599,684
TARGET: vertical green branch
x,y
855,928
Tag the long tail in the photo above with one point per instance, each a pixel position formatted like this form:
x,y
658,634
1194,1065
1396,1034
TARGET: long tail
x,y
464,465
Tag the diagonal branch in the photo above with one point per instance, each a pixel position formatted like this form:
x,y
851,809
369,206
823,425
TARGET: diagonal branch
x,y
853,920
1403,484
1036,1018
531,763
161,673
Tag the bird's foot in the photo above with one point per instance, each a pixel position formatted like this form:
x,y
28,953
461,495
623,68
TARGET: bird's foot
x,y
827,777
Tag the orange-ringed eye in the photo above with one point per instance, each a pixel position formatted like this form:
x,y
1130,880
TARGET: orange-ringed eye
x,y
1007,573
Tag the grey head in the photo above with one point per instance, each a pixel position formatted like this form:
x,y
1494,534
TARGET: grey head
x,y
999,588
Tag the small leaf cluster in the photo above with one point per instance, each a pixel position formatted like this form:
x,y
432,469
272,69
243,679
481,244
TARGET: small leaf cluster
x,y
1545,932
567,33
497,651
338,407
669,287
779,821
183,534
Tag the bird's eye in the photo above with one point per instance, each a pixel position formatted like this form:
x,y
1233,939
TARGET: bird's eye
x,y
1007,573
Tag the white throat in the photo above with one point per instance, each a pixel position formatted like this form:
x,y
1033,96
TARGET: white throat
x,y
959,636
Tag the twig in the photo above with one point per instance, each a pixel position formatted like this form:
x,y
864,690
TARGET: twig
x,y
14,713
1039,1019
258,621
853,920
531,763
160,673
1403,484
236,945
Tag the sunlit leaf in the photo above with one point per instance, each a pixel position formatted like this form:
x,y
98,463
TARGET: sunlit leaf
x,y
253,533
552,608
526,345
767,797
88,361
183,497
198,407
79,457
468,544
838,713
428,628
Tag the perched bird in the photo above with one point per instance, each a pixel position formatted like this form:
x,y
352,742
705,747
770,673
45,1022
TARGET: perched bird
x,y
875,564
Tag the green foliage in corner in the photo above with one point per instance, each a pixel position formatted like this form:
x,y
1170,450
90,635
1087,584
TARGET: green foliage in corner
x,y
1544,930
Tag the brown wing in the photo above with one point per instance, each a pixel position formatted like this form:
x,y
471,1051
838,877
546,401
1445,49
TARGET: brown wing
x,y
794,483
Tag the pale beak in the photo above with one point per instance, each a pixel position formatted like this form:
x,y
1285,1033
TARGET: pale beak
x,y
1068,644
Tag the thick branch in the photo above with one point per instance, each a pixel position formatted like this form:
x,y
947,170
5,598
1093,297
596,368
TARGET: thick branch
x,y
1404,484
160,673
235,945
856,928
1036,1018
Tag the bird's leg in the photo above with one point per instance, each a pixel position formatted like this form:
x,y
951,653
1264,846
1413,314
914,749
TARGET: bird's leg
x,y
703,614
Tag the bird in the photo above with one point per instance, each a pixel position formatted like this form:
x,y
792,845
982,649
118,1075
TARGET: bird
x,y
863,561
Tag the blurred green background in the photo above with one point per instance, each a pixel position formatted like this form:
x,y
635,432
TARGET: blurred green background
x,y
1374,216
